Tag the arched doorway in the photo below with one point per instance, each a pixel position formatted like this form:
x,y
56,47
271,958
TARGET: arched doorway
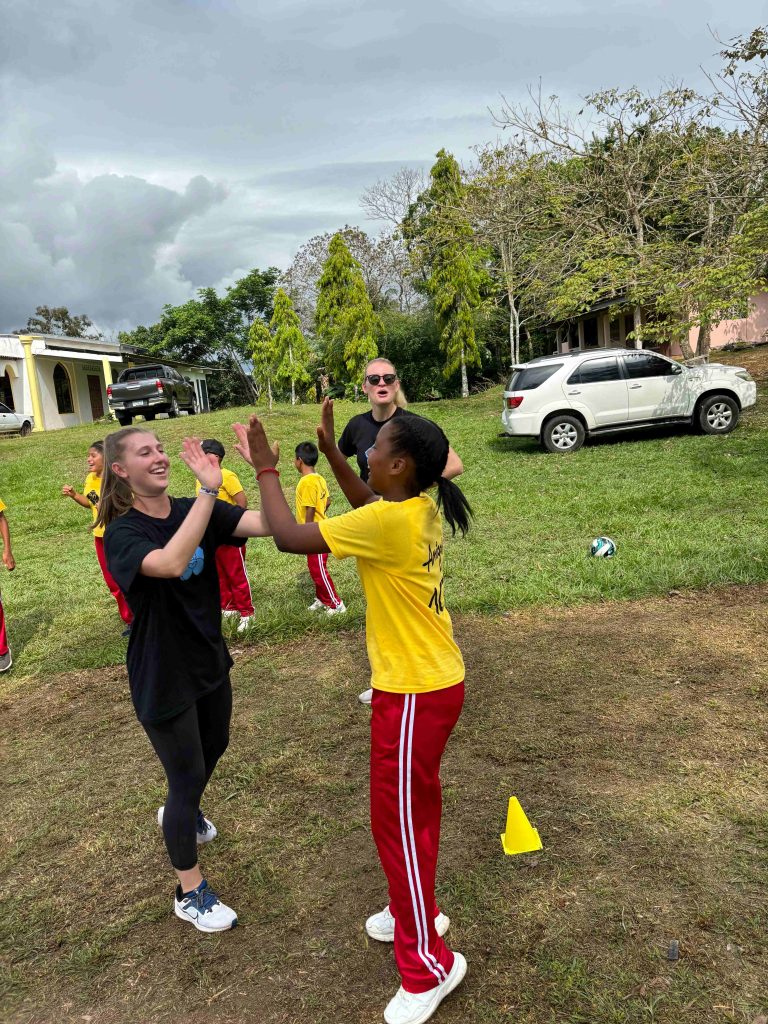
x,y
6,391
63,389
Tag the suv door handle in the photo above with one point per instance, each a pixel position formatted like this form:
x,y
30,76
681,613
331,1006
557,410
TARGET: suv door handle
x,y
573,392
634,387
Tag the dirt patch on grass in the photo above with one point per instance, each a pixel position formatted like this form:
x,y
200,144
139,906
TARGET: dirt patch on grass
x,y
633,734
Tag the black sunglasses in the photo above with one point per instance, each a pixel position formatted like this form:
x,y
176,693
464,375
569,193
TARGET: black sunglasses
x,y
388,378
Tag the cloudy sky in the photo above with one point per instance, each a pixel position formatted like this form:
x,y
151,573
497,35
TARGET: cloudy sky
x,y
151,148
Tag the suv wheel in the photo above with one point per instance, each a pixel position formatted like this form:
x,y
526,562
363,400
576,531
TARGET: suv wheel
x,y
718,414
562,433
193,408
26,428
173,412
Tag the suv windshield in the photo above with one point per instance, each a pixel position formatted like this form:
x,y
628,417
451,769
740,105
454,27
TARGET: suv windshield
x,y
528,378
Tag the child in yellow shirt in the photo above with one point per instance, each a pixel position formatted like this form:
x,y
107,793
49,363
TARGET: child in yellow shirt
x,y
90,499
312,501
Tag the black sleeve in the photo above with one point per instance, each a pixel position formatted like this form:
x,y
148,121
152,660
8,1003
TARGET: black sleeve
x,y
347,443
125,547
223,523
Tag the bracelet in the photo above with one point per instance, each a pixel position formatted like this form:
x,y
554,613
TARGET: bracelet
x,y
268,469
209,490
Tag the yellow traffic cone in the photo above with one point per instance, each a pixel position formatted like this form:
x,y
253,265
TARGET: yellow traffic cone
x,y
519,836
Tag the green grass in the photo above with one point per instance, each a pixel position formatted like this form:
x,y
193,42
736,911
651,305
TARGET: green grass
x,y
686,511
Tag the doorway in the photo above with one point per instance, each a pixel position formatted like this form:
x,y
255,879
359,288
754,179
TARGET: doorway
x,y
94,393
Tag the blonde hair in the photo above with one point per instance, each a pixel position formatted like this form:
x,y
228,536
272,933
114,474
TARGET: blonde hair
x,y
400,400
116,495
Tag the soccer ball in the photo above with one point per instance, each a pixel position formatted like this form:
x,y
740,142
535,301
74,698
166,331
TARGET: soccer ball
x,y
602,547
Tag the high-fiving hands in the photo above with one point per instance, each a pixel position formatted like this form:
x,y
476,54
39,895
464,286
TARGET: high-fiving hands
x,y
326,433
205,466
253,446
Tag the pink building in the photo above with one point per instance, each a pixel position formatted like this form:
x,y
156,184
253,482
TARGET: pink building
x,y
752,329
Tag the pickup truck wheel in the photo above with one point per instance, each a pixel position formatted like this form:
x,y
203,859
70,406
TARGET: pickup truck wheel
x,y
149,416
193,408
173,412
562,434
718,414
26,428
124,419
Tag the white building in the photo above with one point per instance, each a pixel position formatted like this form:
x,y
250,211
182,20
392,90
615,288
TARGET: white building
x,y
63,381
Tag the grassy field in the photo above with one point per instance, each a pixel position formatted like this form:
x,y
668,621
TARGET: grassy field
x,y
623,702
686,511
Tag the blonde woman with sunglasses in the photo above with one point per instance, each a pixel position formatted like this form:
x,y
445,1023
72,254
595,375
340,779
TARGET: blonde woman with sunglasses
x,y
382,386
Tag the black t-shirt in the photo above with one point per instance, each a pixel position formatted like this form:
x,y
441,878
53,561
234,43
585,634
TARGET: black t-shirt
x,y
176,652
360,434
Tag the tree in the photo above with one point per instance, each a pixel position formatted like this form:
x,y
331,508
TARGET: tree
x,y
264,356
358,330
58,320
443,248
291,349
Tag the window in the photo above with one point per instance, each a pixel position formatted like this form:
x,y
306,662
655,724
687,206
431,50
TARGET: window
x,y
527,380
596,371
590,332
615,331
63,389
4,408
646,364
629,326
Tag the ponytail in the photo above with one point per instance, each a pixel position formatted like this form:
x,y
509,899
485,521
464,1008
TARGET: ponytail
x,y
428,446
456,508
116,494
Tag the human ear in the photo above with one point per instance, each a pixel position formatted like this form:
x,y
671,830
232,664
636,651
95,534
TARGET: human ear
x,y
119,470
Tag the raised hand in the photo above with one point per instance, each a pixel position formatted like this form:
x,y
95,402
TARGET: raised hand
x,y
205,467
326,432
68,491
242,448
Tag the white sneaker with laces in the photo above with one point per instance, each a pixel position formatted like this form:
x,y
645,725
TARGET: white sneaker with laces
x,y
229,615
336,611
206,830
203,908
366,697
316,606
381,926
416,1007
245,622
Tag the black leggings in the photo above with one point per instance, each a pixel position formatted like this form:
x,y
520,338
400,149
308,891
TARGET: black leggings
x,y
189,747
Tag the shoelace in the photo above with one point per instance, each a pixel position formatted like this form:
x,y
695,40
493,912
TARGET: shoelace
x,y
205,899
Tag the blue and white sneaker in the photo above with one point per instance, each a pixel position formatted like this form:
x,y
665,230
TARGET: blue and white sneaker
x,y
203,908
206,830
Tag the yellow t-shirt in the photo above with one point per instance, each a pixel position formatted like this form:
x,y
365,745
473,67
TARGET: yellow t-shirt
x,y
399,550
230,486
92,491
2,505
311,492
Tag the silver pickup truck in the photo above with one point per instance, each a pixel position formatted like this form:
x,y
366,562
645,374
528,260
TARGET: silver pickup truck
x,y
148,390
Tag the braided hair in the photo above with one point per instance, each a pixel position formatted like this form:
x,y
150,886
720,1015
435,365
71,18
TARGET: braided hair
x,y
428,446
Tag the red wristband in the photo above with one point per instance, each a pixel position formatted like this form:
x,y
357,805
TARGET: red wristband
x,y
268,469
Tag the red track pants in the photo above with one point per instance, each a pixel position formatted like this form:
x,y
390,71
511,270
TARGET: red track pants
x,y
125,612
233,580
409,732
324,588
3,634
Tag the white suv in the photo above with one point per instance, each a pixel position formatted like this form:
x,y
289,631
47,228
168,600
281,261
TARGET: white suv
x,y
563,399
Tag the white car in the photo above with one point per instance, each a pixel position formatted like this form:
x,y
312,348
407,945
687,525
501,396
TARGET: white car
x,y
562,400
14,422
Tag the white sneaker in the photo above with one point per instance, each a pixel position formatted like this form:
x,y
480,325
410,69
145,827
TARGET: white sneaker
x,y
6,661
245,622
229,615
316,606
336,611
381,926
206,830
203,908
416,1007
366,697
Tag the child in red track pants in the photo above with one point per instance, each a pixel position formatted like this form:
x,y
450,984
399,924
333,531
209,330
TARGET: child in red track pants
x,y
408,736
233,580
395,533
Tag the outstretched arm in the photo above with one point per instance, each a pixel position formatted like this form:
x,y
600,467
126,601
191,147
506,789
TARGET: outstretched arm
x,y
69,492
5,535
298,538
454,466
357,491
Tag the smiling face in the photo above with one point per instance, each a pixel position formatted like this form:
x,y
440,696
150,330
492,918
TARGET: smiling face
x,y
95,461
381,394
143,464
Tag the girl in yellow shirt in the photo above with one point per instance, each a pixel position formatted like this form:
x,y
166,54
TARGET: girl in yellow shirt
x,y
90,499
417,673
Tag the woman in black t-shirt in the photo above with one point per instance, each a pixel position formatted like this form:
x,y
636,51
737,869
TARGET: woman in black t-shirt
x,y
161,551
382,387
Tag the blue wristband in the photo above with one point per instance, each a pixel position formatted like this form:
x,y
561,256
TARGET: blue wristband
x,y
209,490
